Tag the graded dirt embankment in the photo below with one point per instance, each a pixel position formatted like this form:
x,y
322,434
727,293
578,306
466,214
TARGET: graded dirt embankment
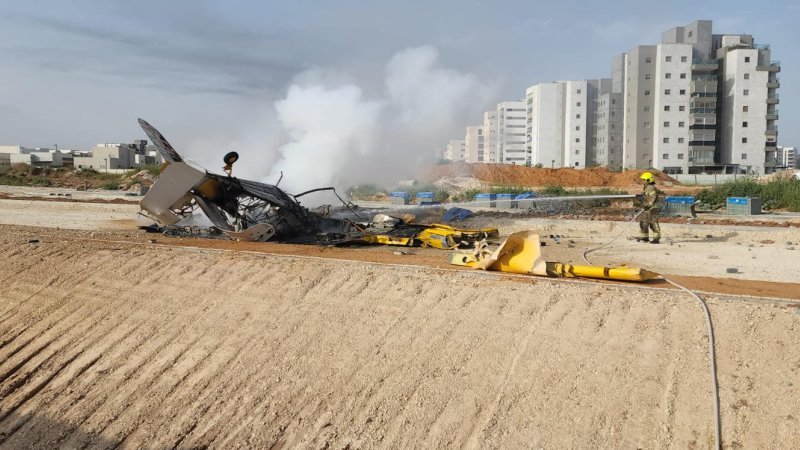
x,y
105,343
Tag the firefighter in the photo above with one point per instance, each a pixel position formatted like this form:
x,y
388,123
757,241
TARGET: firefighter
x,y
651,205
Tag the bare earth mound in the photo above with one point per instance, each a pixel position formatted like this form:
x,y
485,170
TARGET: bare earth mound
x,y
113,343
510,175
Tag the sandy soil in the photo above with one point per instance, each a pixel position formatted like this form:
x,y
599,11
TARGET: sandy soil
x,y
108,339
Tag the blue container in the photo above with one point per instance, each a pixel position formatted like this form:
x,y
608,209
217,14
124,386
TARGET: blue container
x,y
399,194
684,200
525,196
486,200
426,195
737,200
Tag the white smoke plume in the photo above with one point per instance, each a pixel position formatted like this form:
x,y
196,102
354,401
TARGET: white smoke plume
x,y
337,136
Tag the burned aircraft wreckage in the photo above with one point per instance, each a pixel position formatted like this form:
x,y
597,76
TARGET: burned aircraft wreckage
x,y
253,211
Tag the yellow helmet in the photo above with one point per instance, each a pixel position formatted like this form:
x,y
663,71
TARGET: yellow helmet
x,y
648,177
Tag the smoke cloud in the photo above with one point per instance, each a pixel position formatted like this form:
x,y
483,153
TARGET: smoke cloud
x,y
338,136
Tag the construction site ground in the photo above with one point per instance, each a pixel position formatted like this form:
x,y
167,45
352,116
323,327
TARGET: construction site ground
x,y
110,336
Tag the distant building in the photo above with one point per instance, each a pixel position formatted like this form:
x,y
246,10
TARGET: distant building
x,y
456,150
700,102
489,138
511,148
787,158
473,143
118,157
562,122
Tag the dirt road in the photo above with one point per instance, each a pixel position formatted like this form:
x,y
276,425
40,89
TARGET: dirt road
x,y
107,340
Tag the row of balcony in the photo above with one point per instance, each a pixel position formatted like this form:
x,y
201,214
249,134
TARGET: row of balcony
x,y
772,66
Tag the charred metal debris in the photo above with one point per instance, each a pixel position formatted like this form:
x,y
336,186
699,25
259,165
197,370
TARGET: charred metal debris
x,y
253,211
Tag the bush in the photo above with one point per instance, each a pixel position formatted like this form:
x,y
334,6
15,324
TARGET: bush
x,y
40,181
362,191
110,186
777,194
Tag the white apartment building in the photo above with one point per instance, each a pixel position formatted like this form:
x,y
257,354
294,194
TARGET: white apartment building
x,y
562,122
608,130
787,157
576,123
489,137
545,124
673,118
473,143
511,148
456,150
748,133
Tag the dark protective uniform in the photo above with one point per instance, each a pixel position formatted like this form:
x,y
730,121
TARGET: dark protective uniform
x,y
648,219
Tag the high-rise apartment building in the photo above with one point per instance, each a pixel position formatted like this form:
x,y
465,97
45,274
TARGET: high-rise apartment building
x,y
545,124
490,137
511,148
787,157
700,102
473,144
561,122
455,150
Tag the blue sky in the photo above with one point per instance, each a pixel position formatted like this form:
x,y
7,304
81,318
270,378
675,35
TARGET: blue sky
x,y
80,72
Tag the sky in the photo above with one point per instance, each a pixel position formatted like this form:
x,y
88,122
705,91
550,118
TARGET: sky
x,y
326,92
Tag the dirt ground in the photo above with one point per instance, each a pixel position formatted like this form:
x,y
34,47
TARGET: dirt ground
x,y
110,336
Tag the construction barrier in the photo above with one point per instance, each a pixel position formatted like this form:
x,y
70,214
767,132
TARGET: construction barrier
x,y
678,205
743,206
399,197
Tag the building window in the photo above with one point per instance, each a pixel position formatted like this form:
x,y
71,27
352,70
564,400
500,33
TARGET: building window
x,y
669,59
745,108
613,101
665,140
668,75
647,76
691,33
578,104
683,92
648,60
746,59
744,124
681,108
646,108
681,124
577,139
680,140
666,124
746,92
646,140
666,108
647,124
744,155
683,75
665,156
579,91
577,152
744,140
680,155
683,59
747,76
577,116
667,91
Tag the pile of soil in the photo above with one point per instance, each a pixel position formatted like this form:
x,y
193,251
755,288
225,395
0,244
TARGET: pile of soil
x,y
511,175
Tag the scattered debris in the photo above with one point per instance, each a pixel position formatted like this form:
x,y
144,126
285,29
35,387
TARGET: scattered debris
x,y
732,270
521,253
254,211
33,241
